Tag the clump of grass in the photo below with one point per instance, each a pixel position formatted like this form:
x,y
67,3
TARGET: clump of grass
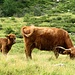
x,y
13,19
42,63
17,64
9,30
1,27
2,19
26,18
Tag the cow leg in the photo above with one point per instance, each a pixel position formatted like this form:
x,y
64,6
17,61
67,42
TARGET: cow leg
x,y
4,50
56,54
0,50
28,53
28,50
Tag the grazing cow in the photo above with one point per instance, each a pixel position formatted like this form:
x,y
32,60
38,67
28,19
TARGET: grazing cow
x,y
70,52
45,38
6,43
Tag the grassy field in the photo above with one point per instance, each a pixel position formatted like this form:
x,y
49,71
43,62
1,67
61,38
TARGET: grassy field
x,y
43,63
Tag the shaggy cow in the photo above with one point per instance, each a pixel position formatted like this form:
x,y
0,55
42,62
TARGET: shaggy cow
x,y
45,38
70,51
6,43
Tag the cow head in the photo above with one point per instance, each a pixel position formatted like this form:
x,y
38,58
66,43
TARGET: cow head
x,y
27,31
70,51
11,38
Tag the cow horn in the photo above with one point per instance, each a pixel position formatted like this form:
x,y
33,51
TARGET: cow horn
x,y
31,30
62,48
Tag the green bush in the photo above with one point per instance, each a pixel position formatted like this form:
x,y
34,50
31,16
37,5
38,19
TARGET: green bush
x,y
59,18
2,19
72,20
12,18
18,32
1,27
18,35
9,7
26,18
37,11
9,30
1,14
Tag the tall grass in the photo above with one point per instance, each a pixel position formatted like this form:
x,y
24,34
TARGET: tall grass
x,y
43,63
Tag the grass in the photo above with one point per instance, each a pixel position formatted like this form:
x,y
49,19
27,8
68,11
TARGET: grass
x,y
43,63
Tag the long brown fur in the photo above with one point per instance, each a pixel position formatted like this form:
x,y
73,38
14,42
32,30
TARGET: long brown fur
x,y
6,43
45,38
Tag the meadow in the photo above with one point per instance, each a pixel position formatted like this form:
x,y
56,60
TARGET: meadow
x,y
43,62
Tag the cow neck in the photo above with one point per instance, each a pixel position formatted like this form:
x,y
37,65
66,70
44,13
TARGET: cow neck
x,y
9,42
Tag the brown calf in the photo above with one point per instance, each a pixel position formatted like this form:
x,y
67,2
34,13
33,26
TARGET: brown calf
x,y
6,43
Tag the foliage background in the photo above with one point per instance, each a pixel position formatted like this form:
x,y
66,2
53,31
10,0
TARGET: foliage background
x,y
37,7
50,13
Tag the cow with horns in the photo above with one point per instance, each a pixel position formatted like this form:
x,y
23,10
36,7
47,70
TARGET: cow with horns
x,y
48,39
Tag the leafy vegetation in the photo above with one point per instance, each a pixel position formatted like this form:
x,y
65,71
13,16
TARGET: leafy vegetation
x,y
49,13
65,21
43,63
37,7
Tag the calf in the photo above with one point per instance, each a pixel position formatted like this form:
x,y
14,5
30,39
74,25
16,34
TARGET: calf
x,y
6,43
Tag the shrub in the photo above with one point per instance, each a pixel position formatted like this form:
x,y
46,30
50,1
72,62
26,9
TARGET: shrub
x,y
37,11
72,20
9,30
0,26
67,18
9,7
59,18
27,17
12,18
18,35
1,14
2,19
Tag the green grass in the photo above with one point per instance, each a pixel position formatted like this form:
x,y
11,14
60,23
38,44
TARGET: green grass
x,y
43,63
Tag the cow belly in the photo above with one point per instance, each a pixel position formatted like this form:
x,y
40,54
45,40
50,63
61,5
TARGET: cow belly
x,y
44,46
48,45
